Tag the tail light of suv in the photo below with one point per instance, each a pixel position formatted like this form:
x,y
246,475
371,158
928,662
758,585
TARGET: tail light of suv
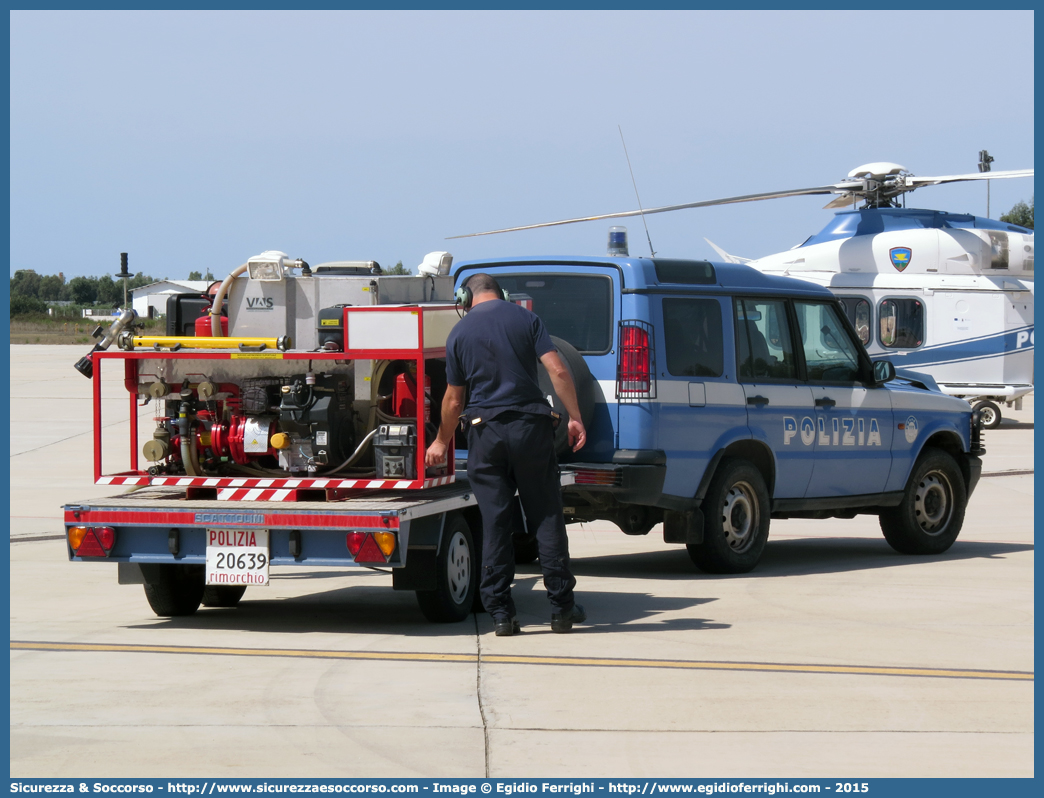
x,y
636,363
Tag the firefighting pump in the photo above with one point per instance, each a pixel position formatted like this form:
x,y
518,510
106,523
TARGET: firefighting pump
x,y
298,379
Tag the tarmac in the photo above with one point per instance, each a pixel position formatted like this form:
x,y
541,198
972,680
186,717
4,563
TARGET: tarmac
x,y
836,657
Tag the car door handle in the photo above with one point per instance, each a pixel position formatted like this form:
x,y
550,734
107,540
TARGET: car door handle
x,y
826,401
757,400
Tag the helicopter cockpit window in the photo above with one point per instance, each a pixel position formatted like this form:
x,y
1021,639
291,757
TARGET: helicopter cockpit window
x,y
830,355
577,308
901,323
858,311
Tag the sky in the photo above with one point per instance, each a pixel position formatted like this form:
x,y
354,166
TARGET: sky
x,y
194,140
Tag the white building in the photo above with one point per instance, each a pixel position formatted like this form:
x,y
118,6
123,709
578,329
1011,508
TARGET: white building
x,y
155,294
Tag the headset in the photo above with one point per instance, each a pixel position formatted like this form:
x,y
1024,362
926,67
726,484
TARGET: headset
x,y
464,296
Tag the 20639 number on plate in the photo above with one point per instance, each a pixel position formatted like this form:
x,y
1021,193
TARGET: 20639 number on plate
x,y
237,557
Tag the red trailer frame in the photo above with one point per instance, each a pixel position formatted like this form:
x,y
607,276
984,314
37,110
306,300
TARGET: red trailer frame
x,y
288,488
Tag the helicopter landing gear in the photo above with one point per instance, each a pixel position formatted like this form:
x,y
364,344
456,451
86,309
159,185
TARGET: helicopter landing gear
x,y
989,412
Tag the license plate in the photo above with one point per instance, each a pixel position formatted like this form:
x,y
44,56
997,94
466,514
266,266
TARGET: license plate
x,y
237,556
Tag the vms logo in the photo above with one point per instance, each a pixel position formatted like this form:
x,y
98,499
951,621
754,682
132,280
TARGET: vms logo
x,y
900,257
260,303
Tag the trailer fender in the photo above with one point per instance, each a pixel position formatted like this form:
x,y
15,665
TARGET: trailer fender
x,y
423,536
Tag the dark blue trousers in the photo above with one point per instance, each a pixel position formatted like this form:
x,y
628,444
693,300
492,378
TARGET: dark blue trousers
x,y
515,452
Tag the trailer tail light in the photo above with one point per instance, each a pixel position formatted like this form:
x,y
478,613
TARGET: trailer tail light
x,y
355,541
385,542
87,541
76,535
635,367
371,548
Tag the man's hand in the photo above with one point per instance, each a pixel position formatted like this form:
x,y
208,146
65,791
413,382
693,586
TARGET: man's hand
x,y
452,404
577,434
436,454
563,385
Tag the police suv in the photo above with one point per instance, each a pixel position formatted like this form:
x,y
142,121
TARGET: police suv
x,y
717,397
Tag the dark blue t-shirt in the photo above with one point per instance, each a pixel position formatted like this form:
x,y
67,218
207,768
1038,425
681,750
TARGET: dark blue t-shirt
x,y
494,350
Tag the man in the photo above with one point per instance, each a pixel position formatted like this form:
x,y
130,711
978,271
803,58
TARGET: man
x,y
493,351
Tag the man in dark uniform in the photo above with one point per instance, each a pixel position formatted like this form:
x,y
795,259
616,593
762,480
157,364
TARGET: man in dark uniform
x,y
493,351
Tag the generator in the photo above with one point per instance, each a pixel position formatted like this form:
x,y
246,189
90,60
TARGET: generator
x,y
295,379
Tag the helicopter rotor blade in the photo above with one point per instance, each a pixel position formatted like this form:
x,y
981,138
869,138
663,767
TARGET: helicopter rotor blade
x,y
882,188
797,192
841,202
916,182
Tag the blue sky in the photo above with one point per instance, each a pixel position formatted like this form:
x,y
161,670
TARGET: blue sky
x,y
193,140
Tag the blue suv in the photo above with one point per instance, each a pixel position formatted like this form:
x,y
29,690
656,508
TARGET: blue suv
x,y
717,397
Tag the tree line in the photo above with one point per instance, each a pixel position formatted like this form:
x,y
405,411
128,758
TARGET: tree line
x,y
32,293
1020,214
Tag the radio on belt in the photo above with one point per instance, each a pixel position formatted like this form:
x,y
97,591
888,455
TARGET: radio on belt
x,y
395,451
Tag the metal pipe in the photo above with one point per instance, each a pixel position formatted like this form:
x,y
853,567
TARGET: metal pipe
x,y
219,297
85,365
282,343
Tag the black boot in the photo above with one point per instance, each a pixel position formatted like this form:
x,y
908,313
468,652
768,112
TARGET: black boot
x,y
562,622
507,627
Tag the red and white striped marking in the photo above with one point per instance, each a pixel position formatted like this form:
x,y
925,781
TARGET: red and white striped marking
x,y
142,480
274,490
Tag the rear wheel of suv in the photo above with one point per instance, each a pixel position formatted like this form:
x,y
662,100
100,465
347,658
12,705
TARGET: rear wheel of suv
x,y
736,520
931,514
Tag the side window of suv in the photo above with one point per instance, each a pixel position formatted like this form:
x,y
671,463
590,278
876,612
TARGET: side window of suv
x,y
763,346
692,328
830,355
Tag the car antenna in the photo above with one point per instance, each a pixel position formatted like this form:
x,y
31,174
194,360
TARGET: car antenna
x,y
628,157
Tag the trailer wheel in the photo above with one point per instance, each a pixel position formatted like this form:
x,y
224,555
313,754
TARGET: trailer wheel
x,y
736,520
174,589
931,514
989,412
222,595
456,573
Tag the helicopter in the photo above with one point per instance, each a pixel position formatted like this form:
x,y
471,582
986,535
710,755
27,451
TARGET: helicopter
x,y
947,296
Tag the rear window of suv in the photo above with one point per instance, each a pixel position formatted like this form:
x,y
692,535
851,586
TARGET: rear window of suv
x,y
577,308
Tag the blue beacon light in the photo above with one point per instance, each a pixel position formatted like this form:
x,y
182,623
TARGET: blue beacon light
x,y
617,242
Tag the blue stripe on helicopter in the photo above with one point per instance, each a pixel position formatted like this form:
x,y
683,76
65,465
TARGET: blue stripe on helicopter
x,y
1027,329
970,349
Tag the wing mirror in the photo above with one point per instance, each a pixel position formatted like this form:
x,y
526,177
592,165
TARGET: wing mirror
x,y
884,372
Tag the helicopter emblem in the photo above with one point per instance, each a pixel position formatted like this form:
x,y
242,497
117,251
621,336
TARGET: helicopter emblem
x,y
900,257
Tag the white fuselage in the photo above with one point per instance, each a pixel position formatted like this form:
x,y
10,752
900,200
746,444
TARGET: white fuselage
x,y
976,290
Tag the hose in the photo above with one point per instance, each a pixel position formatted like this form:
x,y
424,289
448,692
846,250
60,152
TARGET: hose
x,y
219,298
188,448
356,454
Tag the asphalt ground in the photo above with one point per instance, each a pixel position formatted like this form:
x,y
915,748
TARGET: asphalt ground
x,y
836,658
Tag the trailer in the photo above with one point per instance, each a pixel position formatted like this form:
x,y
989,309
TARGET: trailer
x,y
290,429
190,552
